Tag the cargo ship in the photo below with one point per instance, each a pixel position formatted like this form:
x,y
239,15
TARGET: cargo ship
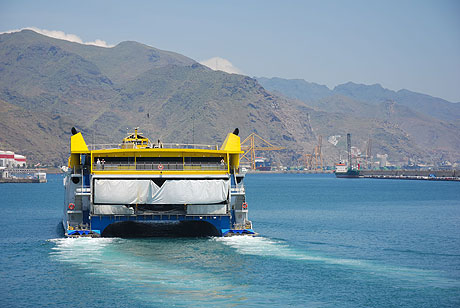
x,y
343,170
154,189
262,164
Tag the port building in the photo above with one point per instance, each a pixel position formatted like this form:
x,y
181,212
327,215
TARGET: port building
x,y
9,159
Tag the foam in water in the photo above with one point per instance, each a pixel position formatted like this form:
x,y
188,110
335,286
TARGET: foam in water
x,y
158,272
151,280
261,246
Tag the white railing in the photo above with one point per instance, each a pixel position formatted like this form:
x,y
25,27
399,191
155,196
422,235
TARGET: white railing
x,y
93,147
159,167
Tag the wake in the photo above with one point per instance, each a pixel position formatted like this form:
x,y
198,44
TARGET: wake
x,y
266,247
134,265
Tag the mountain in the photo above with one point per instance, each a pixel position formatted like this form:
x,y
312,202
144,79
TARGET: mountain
x,y
372,94
436,107
296,88
49,85
38,135
431,123
102,91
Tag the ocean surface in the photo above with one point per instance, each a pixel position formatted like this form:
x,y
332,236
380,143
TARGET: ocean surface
x,y
324,242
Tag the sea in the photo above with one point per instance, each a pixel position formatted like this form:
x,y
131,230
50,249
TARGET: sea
x,y
323,242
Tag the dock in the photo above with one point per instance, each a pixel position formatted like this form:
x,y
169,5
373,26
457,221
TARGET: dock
x,y
21,180
428,175
22,175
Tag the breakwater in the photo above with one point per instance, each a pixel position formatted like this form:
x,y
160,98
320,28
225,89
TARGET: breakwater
x,y
21,180
433,175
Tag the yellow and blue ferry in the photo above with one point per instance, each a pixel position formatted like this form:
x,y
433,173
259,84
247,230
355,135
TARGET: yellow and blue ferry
x,y
138,188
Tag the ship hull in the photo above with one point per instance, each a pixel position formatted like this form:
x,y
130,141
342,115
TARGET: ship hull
x,y
93,210
348,174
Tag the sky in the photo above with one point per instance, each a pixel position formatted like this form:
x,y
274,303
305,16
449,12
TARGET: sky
x,y
403,44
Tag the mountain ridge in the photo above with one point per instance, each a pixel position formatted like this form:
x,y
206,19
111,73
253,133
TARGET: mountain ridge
x,y
374,93
102,91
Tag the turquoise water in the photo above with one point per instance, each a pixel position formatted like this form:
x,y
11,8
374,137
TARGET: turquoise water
x,y
324,242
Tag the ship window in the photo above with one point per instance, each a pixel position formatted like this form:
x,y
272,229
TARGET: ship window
x,y
157,160
116,160
206,160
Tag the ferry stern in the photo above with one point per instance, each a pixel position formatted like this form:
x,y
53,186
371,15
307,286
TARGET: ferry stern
x,y
154,187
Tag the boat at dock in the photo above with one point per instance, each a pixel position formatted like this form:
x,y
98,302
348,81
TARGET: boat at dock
x,y
343,171
347,170
140,185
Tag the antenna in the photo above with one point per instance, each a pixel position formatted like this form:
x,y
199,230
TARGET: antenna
x,y
349,149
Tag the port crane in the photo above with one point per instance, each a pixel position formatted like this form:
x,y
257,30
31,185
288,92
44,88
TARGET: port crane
x,y
254,143
314,161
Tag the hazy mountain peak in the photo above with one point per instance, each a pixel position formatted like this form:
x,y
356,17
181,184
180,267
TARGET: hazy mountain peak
x,y
350,87
295,88
373,94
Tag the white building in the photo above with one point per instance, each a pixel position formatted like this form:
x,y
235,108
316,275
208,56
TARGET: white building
x,y
19,161
10,160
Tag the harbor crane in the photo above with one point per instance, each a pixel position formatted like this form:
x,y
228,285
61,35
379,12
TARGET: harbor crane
x,y
314,161
254,143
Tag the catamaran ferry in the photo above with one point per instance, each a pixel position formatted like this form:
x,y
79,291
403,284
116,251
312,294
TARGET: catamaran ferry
x,y
153,188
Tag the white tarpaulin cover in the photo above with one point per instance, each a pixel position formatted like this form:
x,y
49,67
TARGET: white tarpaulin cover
x,y
192,192
108,191
124,191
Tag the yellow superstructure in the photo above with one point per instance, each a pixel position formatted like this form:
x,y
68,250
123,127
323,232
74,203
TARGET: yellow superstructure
x,y
136,155
232,145
135,141
77,147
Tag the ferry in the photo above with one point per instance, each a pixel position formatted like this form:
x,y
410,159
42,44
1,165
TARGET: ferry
x,y
154,189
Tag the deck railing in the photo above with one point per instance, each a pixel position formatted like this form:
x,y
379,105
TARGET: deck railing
x,y
93,147
160,167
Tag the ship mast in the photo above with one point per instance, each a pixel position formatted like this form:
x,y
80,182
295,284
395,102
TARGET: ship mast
x,y
349,150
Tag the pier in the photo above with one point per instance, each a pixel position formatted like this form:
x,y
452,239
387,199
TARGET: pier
x,y
430,175
21,180
22,175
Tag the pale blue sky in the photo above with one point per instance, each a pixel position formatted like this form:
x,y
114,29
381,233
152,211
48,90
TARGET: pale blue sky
x,y
399,44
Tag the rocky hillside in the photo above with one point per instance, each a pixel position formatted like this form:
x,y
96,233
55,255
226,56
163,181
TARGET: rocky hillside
x,y
49,85
429,124
370,94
